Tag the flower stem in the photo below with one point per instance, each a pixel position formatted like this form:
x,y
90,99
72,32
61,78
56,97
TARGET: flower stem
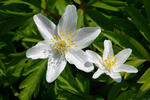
x,y
51,14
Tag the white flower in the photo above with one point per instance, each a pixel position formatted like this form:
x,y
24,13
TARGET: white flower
x,y
63,43
110,64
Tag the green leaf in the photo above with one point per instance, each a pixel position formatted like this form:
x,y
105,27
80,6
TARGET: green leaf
x,y
125,41
90,22
28,28
13,20
31,40
145,79
116,3
116,90
78,85
103,5
147,8
140,22
2,44
12,70
61,5
100,47
120,38
132,95
31,84
80,22
44,4
128,95
8,2
17,64
100,19
68,96
77,1
47,91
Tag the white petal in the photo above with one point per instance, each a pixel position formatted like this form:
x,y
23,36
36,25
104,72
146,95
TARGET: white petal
x,y
68,21
122,56
80,60
46,27
93,56
97,73
40,50
126,68
108,50
85,36
56,65
115,76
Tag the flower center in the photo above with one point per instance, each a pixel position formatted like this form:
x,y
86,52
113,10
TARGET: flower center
x,y
60,46
109,63
63,44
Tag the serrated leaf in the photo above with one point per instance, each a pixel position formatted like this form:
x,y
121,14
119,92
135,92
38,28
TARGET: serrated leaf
x,y
28,32
31,85
14,68
75,85
13,20
33,67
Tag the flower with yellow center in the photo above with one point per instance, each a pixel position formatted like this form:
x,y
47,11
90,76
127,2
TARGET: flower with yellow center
x,y
110,64
63,43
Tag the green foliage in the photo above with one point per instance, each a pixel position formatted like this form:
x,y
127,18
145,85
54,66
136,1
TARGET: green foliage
x,y
145,79
31,85
125,22
140,22
80,22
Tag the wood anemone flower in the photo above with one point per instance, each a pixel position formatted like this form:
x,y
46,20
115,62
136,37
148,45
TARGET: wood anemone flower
x,y
110,64
63,43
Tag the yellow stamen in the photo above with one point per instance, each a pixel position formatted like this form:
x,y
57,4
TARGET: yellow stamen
x,y
64,34
72,35
109,63
60,31
63,45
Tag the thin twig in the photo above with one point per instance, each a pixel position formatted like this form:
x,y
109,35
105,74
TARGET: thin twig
x,y
51,14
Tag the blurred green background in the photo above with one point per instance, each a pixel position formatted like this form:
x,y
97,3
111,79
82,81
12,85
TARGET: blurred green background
x,y
125,22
